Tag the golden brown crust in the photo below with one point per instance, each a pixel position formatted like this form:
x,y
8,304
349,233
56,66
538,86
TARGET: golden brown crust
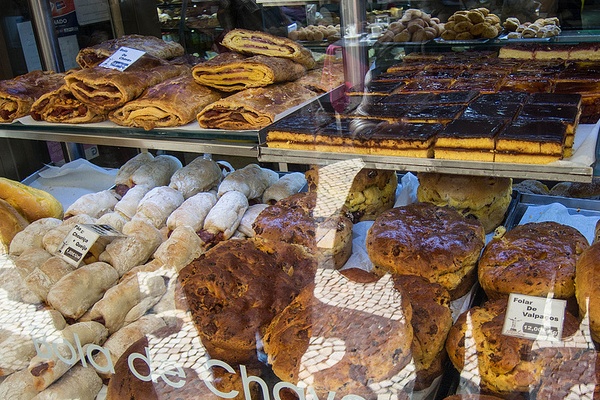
x,y
291,220
91,56
18,94
535,259
61,106
234,73
171,103
233,291
371,319
586,287
422,239
505,364
254,42
107,89
11,223
30,202
253,108
486,198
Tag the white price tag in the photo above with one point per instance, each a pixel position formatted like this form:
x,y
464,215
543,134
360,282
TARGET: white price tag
x,y
534,317
80,240
122,58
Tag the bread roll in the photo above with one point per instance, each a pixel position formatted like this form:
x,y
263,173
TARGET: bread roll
x,y
198,176
77,291
192,212
93,204
54,238
286,186
252,181
31,203
157,172
129,202
486,198
158,204
79,382
30,259
11,223
123,180
32,236
182,246
249,217
42,278
115,220
18,386
224,218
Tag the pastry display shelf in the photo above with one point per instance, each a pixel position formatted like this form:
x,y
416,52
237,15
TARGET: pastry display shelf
x,y
189,139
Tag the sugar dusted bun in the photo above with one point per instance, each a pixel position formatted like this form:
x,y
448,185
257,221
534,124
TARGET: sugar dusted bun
x,y
31,203
486,198
437,243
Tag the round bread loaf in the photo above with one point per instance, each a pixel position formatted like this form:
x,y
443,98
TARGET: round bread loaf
x,y
437,243
349,337
170,345
372,192
536,259
587,287
504,364
234,290
484,197
293,220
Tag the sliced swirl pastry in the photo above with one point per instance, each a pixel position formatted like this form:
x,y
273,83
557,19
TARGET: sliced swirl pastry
x,y
61,106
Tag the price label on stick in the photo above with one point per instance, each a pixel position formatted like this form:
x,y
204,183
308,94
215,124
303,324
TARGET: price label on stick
x,y
122,58
80,240
534,317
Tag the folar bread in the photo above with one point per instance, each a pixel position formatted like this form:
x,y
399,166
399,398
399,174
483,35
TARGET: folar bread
x,y
32,203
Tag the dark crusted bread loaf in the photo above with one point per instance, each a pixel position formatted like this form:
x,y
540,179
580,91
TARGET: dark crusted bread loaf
x,y
234,290
294,220
354,338
535,259
437,243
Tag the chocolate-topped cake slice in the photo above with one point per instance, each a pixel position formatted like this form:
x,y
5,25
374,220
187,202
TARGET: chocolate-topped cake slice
x,y
346,135
568,114
453,97
404,139
483,85
297,130
485,110
569,99
535,142
465,139
433,113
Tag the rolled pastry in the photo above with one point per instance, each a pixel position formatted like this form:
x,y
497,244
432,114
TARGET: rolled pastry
x,y
224,218
48,366
42,278
252,180
93,204
118,301
115,220
158,204
123,178
77,291
79,382
135,249
60,106
94,55
30,259
174,102
286,186
192,212
200,175
255,42
253,108
32,236
106,89
130,200
157,172
249,217
18,386
120,341
54,238
181,248
18,94
232,72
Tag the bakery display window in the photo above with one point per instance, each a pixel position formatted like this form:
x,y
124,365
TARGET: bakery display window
x,y
415,214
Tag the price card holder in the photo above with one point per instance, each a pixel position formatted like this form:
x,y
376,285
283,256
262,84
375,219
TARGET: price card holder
x,y
532,317
80,240
122,58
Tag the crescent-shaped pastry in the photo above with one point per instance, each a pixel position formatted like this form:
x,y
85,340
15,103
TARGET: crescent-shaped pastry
x,y
200,175
254,42
174,102
232,72
17,95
